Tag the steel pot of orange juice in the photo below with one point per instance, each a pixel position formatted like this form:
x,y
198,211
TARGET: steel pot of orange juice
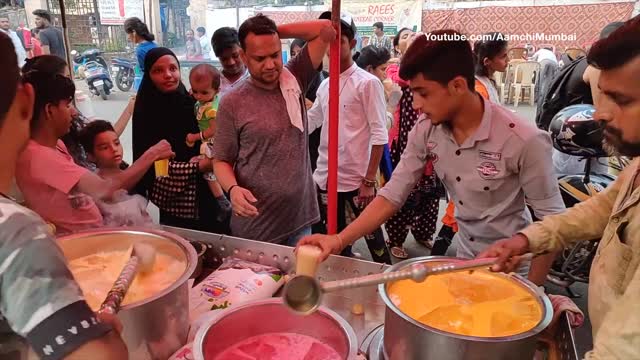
x,y
473,315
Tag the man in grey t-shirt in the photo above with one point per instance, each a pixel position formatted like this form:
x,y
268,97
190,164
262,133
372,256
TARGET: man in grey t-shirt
x,y
50,37
260,148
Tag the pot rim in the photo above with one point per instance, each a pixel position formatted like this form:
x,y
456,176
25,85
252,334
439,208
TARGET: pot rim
x,y
202,247
543,300
190,253
198,343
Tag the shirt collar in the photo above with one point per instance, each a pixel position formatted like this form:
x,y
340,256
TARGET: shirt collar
x,y
482,132
347,73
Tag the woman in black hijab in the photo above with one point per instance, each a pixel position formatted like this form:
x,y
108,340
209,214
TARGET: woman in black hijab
x,y
165,110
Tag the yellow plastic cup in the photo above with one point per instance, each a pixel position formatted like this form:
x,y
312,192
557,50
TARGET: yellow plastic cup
x,y
161,167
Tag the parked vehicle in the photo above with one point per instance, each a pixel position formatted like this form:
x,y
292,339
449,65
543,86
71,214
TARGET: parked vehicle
x,y
96,71
574,132
123,70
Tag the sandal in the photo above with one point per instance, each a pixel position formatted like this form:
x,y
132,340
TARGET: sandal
x,y
399,252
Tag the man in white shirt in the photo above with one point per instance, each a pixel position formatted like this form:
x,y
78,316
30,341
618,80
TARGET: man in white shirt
x,y
226,47
548,69
205,42
362,136
544,54
5,27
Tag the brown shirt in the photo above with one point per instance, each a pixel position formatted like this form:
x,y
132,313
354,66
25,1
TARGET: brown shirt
x,y
613,216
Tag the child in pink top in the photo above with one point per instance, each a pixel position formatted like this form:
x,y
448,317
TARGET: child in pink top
x,y
47,178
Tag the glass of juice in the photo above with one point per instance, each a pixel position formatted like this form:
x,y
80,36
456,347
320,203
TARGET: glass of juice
x,y
307,260
161,167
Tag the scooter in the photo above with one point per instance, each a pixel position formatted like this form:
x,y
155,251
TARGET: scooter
x,y
123,70
96,72
98,79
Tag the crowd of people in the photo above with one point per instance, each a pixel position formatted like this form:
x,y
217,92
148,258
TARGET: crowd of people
x,y
248,156
44,39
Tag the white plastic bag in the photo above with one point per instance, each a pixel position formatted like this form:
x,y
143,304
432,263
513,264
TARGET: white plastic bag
x,y
235,282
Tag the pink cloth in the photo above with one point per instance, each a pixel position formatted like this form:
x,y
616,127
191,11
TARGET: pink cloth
x,y
563,304
47,178
393,73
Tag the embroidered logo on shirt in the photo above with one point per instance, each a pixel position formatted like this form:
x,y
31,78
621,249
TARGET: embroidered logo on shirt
x,y
487,170
488,155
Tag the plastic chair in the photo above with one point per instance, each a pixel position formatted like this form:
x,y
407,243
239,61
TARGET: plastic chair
x,y
575,53
509,78
524,79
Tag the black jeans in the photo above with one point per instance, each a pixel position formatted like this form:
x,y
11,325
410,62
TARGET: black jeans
x,y
348,210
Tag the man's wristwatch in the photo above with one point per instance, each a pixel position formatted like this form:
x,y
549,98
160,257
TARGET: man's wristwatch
x,y
369,183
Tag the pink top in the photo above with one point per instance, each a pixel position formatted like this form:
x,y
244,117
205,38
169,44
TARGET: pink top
x,y
393,73
47,178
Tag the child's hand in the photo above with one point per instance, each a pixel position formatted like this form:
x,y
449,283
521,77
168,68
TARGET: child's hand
x,y
192,139
162,150
131,105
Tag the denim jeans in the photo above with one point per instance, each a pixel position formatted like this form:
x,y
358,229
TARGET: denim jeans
x,y
295,238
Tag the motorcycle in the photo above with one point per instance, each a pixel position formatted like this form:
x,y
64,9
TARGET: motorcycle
x,y
575,133
574,264
124,72
96,71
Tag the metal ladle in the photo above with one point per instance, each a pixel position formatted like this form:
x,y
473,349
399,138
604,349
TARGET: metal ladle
x,y
143,256
303,294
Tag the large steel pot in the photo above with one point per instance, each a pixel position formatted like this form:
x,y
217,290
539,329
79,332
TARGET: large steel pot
x,y
156,327
408,339
272,316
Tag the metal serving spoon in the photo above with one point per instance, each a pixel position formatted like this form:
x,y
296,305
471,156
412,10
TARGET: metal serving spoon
x,y
303,294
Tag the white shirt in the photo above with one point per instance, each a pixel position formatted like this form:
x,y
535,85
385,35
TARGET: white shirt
x,y
17,44
544,54
362,124
226,85
206,47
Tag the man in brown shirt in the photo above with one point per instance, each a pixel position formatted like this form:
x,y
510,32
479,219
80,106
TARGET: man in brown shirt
x,y
613,215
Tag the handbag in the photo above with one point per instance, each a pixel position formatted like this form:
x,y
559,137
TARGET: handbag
x,y
176,194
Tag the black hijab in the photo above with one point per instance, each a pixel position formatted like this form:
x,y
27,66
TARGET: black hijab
x,y
158,116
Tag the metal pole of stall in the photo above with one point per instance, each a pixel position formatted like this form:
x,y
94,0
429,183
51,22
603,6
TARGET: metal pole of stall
x,y
65,32
334,111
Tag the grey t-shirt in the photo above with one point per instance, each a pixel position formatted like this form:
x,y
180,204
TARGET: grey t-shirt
x,y
40,302
271,157
52,37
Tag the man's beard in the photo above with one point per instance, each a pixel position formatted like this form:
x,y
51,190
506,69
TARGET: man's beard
x,y
614,145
